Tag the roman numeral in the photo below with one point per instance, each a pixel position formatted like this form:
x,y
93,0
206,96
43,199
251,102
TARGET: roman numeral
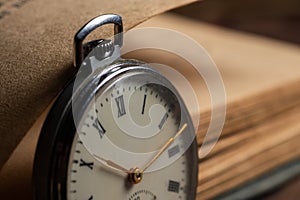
x,y
99,128
173,151
120,105
86,164
163,121
173,186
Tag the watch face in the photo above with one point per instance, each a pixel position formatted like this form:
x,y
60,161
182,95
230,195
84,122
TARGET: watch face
x,y
134,139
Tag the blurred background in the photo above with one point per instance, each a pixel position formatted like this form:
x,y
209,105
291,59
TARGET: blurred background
x,y
277,19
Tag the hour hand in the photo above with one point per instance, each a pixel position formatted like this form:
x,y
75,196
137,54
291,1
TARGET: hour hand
x,y
112,164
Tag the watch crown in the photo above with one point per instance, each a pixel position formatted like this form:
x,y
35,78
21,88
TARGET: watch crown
x,y
101,48
104,49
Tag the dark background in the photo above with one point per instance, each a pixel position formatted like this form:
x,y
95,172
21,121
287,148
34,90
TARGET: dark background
x,y
278,19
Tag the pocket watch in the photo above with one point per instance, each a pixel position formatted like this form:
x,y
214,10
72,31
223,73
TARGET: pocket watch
x,y
118,130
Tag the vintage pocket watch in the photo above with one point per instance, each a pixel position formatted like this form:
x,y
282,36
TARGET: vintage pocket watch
x,y
118,130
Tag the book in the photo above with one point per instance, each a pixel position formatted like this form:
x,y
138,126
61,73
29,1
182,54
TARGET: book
x,y
261,78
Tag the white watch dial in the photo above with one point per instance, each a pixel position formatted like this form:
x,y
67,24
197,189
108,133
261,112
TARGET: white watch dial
x,y
127,124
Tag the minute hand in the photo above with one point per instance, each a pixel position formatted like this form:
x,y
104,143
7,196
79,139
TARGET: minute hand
x,y
166,145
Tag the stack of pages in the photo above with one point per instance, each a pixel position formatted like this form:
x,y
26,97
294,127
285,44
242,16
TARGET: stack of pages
x,y
262,82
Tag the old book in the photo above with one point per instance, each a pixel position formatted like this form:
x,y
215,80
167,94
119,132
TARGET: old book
x,y
261,78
